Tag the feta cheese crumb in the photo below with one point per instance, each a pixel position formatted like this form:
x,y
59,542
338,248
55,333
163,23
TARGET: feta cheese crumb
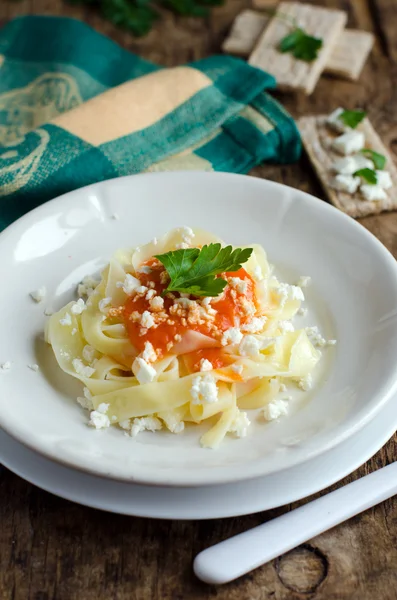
x,y
304,281
384,179
283,387
306,383
346,183
86,402
126,424
347,143
350,164
129,285
237,369
87,286
182,246
302,312
204,389
249,346
144,372
88,353
103,304
66,320
34,367
187,234
150,294
147,320
144,269
289,292
157,303
148,354
205,365
255,325
231,336
258,275
98,419
145,424
39,295
241,285
81,368
240,425
142,289
315,336
275,409
286,326
373,193
335,122
78,307
6,366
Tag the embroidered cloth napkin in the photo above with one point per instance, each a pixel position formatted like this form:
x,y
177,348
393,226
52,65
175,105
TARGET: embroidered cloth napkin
x,y
75,108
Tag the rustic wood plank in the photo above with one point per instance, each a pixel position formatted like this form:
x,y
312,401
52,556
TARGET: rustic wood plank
x,y
51,549
290,73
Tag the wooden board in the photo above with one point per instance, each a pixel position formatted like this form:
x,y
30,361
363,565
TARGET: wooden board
x,y
290,73
52,549
317,137
346,60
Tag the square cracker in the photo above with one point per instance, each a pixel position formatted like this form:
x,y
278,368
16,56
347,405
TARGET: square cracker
x,y
290,72
246,29
317,138
350,53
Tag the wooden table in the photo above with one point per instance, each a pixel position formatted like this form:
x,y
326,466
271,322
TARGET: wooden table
x,y
53,549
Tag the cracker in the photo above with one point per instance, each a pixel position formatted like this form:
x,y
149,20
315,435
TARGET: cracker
x,y
317,138
290,73
350,53
246,29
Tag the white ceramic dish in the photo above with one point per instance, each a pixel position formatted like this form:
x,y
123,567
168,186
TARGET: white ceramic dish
x,y
353,298
207,502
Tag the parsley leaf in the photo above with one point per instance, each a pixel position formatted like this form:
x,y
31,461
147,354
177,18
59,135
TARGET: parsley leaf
x,y
193,270
352,118
301,45
378,159
368,174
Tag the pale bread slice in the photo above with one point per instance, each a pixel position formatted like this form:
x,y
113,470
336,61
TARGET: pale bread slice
x,y
350,53
246,29
290,73
317,139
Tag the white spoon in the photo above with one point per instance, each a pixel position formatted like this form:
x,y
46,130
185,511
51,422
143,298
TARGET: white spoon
x,y
247,551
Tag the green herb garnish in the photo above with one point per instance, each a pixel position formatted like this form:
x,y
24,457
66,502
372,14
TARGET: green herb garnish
x,y
193,270
369,175
352,118
301,45
378,159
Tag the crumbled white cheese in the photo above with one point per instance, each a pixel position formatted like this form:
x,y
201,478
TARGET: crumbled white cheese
x,y
99,418
240,425
347,143
145,424
241,285
81,368
231,336
126,424
304,281
150,294
302,312
346,183
335,122
182,246
157,303
87,286
86,402
144,372
275,409
6,366
205,365
187,234
48,311
39,295
289,292
249,346
384,179
176,427
315,336
147,320
373,193
237,369
33,367
149,354
350,164
144,269
66,320
255,325
129,285
258,275
283,387
142,289
306,383
204,389
286,326
185,302
103,304
78,307
88,353
206,301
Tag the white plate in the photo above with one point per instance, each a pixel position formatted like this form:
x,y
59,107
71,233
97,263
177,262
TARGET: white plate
x,y
214,502
353,298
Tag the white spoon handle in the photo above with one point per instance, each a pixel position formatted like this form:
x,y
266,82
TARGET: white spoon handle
x,y
247,551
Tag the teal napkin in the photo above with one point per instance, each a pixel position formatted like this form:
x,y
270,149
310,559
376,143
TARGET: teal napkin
x,y
75,108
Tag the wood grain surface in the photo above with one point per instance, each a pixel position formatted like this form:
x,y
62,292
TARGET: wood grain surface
x,y
51,549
